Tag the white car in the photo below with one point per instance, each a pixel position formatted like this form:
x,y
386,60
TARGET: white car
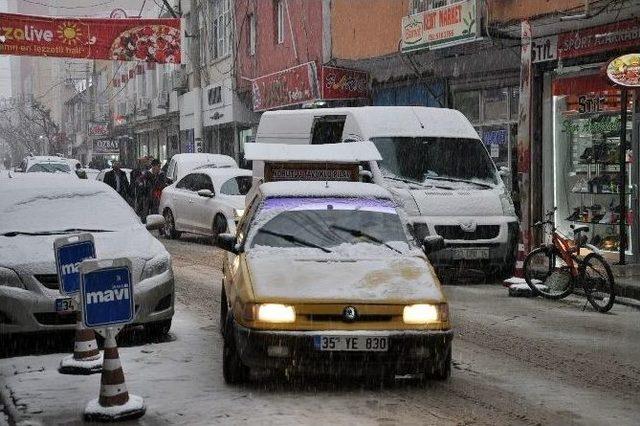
x,y
36,209
31,160
181,164
207,201
91,173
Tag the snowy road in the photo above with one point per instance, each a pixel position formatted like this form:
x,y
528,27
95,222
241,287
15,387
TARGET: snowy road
x,y
516,361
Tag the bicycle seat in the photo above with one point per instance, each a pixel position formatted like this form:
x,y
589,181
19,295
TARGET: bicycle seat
x,y
581,228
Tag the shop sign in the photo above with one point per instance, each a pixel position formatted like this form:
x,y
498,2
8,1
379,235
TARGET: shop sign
x,y
292,86
106,146
544,49
602,124
441,27
618,35
149,40
625,70
340,83
98,129
495,137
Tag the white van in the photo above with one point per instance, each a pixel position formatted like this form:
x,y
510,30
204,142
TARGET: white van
x,y
181,164
435,165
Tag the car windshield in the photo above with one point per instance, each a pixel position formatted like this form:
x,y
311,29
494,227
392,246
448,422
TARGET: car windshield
x,y
46,210
239,185
50,168
427,159
326,222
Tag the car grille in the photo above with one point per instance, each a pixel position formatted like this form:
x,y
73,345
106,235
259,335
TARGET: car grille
x,y
455,232
340,318
52,318
48,280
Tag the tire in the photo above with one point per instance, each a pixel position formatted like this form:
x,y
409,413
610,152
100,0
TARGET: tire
x,y
234,371
159,329
219,226
540,267
170,226
223,310
597,280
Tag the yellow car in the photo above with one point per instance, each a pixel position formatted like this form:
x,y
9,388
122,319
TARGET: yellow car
x,y
323,277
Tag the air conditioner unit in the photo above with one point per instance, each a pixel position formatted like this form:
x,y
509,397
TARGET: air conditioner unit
x,y
163,99
142,104
180,79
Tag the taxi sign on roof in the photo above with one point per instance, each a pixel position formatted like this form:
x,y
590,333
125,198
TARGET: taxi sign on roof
x,y
351,152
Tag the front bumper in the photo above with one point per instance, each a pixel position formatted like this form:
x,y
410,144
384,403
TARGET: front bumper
x,y
25,311
409,351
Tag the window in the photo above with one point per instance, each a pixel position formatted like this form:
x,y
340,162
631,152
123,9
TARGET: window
x,y
220,34
186,183
201,181
239,185
495,106
252,34
280,21
214,95
468,103
327,129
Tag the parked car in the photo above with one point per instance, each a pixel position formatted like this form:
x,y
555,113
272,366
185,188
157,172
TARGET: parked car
x,y
37,209
435,165
181,164
207,201
322,277
29,161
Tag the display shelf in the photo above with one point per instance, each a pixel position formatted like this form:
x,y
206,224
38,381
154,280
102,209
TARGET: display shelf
x,y
596,223
598,193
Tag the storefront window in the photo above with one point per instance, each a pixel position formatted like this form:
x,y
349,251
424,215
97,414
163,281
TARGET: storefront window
x,y
496,104
586,159
468,103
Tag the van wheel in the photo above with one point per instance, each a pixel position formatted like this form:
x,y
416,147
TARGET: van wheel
x,y
219,226
170,226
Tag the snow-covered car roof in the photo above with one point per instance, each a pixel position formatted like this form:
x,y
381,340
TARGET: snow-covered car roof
x,y
193,160
323,189
354,152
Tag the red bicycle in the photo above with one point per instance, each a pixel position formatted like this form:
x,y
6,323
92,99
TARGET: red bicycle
x,y
554,269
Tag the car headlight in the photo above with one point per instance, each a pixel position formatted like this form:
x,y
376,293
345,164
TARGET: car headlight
x,y
9,278
420,314
238,213
507,204
156,266
276,313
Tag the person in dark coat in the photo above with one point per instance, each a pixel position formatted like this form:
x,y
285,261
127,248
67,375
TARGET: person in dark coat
x,y
117,179
137,185
154,182
79,172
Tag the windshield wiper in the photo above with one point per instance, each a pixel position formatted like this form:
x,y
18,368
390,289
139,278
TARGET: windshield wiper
x,y
486,185
40,233
293,239
407,181
358,233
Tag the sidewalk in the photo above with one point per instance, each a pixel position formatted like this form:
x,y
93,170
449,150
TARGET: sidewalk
x,y
627,279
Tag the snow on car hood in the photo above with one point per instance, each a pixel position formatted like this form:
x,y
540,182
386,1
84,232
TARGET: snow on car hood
x,y
461,202
34,254
296,276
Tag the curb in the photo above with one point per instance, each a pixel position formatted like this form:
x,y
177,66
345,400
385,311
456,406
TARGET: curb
x,y
7,406
624,289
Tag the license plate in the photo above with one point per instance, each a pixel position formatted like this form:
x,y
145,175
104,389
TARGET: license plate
x,y
471,253
66,305
352,343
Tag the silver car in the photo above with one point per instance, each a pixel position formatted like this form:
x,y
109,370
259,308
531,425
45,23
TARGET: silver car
x,y
37,209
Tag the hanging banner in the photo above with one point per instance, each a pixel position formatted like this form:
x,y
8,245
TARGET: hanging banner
x,y
442,27
149,40
625,70
98,128
524,136
292,86
341,83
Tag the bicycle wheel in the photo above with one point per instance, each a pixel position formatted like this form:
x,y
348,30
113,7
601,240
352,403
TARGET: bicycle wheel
x,y
546,273
597,279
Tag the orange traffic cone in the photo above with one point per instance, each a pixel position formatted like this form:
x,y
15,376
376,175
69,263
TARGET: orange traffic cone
x,y
86,358
114,403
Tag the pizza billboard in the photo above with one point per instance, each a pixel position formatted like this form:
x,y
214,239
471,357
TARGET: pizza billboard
x,y
147,40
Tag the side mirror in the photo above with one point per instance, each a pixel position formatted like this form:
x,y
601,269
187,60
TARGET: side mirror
x,y
432,243
504,171
365,175
154,221
205,193
227,242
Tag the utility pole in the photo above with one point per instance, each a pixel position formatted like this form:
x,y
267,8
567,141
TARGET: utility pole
x,y
195,65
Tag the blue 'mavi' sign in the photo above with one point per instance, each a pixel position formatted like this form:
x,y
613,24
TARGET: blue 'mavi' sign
x,y
69,253
106,292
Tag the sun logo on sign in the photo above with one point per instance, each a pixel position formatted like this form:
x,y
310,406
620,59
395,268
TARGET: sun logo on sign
x,y
69,33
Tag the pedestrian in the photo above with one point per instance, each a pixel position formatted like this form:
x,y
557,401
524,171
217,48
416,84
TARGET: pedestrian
x,y
81,173
154,182
117,179
137,185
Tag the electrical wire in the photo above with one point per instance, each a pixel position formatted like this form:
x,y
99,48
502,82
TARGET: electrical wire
x,y
69,7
